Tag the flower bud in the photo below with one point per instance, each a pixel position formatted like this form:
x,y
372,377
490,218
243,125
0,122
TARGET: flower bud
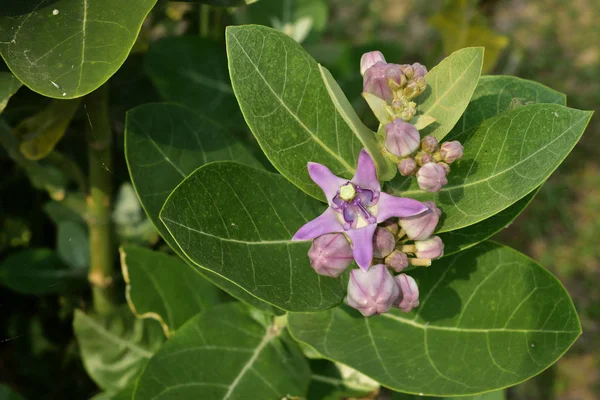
x,y
408,70
401,138
409,111
409,293
394,76
423,158
372,292
451,151
421,226
446,167
429,144
430,248
407,166
397,260
383,242
419,70
369,59
381,79
391,225
431,177
330,254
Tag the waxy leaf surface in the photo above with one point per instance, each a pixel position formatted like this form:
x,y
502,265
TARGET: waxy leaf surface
x,y
164,143
238,222
164,288
68,48
225,353
8,86
505,158
489,318
450,85
286,105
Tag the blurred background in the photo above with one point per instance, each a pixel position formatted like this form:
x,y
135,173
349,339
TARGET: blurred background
x,y
556,43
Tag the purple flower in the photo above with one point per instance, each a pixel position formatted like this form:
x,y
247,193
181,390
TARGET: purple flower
x,y
373,291
355,207
409,293
397,260
451,151
369,59
381,78
420,227
407,166
383,242
419,70
401,138
330,254
431,177
430,248
429,144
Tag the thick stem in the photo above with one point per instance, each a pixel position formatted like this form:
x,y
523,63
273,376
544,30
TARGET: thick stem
x,y
99,138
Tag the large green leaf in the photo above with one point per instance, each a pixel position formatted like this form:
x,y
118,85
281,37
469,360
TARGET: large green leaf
x,y
489,318
469,236
225,353
193,71
163,287
115,348
450,86
505,158
238,222
287,107
8,86
164,143
497,395
39,271
68,48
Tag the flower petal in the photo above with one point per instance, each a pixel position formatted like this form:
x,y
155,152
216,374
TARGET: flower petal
x,y
362,245
366,174
391,206
327,222
326,180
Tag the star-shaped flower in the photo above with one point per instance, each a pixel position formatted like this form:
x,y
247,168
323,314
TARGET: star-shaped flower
x,y
356,206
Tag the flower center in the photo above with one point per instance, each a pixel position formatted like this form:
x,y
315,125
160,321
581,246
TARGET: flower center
x,y
354,203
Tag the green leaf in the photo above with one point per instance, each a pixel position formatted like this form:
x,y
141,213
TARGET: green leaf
x,y
489,318
164,143
386,169
125,394
286,105
505,158
497,395
450,85
164,288
38,272
192,71
328,382
115,348
73,245
66,49
225,353
238,222
8,86
462,239
6,393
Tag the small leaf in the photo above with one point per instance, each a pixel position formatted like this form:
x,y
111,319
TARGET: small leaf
x,y
238,222
39,272
462,239
450,85
66,49
73,244
386,169
164,288
164,143
287,107
115,348
224,353
505,158
8,86
489,318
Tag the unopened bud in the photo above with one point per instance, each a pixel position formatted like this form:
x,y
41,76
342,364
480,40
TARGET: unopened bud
x,y
407,166
409,111
408,70
431,177
369,59
397,260
423,158
429,144
451,151
430,248
372,291
401,138
391,225
421,226
375,81
446,167
394,76
409,293
421,84
419,70
330,254
383,242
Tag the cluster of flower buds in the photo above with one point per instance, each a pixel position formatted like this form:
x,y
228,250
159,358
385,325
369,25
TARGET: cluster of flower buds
x,y
431,162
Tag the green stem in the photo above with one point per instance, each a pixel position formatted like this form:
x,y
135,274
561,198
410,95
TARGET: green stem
x,y
99,138
204,20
